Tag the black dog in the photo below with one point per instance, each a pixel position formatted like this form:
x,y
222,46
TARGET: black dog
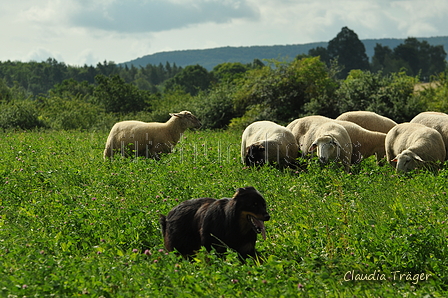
x,y
217,224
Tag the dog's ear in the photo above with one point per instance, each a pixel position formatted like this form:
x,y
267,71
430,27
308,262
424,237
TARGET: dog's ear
x,y
244,190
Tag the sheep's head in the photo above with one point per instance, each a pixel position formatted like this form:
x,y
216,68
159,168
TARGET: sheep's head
x,y
255,155
188,118
328,148
408,161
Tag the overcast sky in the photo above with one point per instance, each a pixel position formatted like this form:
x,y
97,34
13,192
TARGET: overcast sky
x,y
80,32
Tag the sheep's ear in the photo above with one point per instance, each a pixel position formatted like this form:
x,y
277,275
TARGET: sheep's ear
x,y
336,143
176,115
312,147
416,157
395,159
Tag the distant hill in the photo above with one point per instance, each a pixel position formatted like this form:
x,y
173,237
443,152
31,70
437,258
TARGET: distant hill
x,y
209,58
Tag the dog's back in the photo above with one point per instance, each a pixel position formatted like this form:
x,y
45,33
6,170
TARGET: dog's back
x,y
216,224
180,228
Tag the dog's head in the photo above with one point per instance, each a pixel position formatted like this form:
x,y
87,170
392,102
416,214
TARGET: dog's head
x,y
252,210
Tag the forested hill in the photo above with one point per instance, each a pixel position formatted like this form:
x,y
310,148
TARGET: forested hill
x,y
209,58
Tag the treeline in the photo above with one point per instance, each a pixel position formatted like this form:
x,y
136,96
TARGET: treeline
x,y
415,58
328,82
39,77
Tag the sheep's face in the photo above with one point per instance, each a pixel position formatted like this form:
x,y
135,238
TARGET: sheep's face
x,y
328,149
190,120
408,161
255,155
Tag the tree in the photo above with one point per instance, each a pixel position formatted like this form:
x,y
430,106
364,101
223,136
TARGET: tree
x,y
391,96
22,114
116,96
418,58
73,87
349,51
422,58
227,72
5,92
322,53
282,91
191,79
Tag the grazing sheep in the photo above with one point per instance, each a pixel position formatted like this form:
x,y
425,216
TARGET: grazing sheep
x,y
300,127
149,139
365,143
368,120
265,142
333,143
436,120
414,145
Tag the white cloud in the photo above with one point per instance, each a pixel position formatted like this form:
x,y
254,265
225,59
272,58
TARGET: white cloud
x,y
42,54
136,16
90,31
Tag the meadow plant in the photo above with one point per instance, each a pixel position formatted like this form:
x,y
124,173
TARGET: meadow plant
x,y
73,224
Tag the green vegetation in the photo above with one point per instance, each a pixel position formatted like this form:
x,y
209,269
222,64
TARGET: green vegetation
x,y
72,224
232,95
328,82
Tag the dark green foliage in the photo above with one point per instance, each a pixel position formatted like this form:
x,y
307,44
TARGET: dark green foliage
x,y
435,94
322,53
215,107
69,112
391,96
22,114
191,79
280,92
38,78
72,87
227,72
233,94
116,96
417,57
5,92
173,101
349,51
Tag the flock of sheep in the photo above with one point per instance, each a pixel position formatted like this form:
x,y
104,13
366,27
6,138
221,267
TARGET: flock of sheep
x,y
347,140
350,138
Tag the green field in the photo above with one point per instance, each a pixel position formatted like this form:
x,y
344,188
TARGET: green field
x,y
72,224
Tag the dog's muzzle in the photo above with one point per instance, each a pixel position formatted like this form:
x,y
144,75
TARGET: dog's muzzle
x,y
258,224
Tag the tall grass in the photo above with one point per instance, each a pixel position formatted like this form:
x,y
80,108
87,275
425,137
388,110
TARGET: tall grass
x,y
72,224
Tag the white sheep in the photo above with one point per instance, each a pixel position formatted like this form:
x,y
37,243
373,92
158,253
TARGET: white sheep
x,y
368,120
436,120
149,139
300,127
365,143
333,143
267,142
414,145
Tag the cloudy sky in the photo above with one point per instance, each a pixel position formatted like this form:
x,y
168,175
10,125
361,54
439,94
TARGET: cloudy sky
x,y
80,32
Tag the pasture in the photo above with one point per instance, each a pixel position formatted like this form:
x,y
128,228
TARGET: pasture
x,y
72,224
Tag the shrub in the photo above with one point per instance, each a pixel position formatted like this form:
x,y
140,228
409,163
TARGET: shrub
x,y
391,96
436,94
116,96
70,112
22,114
285,88
215,108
